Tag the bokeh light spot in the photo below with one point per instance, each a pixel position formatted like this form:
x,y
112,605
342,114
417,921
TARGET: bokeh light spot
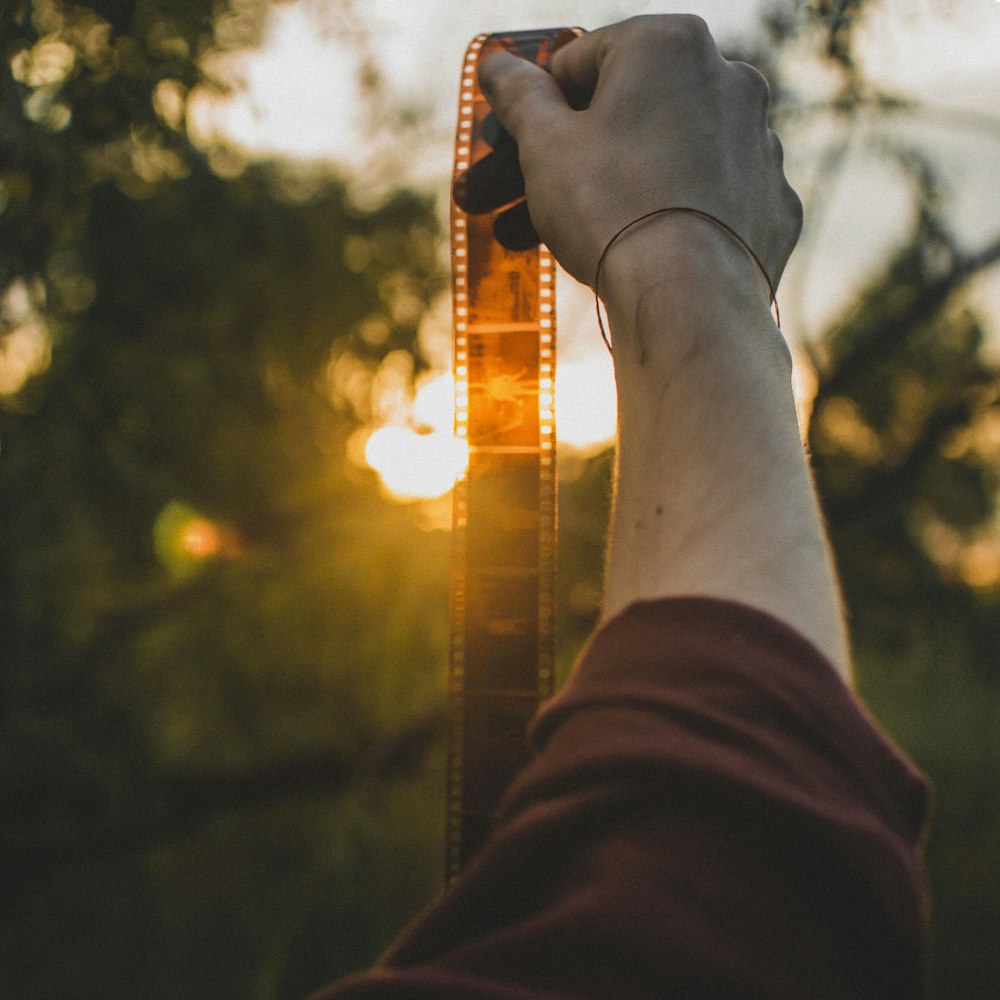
x,y
185,540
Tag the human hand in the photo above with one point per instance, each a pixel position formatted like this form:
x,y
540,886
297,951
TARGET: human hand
x,y
666,121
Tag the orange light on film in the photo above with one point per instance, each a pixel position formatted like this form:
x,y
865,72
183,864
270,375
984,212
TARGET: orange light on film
x,y
422,459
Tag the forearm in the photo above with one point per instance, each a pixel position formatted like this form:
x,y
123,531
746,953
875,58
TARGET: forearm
x,y
713,492
702,374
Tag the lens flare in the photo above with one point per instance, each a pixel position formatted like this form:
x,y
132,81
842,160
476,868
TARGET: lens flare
x,y
200,538
419,458
186,541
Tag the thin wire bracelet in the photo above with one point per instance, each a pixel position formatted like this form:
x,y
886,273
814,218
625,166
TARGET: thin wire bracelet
x,y
664,211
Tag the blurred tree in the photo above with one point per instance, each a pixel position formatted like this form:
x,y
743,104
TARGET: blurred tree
x,y
222,650
906,450
907,457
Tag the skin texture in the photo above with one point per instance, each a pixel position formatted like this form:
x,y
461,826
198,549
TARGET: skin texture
x,y
713,494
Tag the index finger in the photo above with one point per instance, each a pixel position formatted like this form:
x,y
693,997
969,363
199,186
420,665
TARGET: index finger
x,y
520,92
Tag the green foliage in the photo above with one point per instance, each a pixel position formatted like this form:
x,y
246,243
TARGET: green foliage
x,y
904,392
222,651
904,445
905,463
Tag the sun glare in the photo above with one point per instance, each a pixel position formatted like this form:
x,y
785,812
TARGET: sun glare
x,y
415,466
421,458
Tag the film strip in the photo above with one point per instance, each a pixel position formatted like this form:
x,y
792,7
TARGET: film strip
x,y
504,522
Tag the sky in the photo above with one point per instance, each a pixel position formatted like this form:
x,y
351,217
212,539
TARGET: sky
x,y
299,96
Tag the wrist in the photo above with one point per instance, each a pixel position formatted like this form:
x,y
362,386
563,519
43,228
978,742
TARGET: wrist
x,y
697,279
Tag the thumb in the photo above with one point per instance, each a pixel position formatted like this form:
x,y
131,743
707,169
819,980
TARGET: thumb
x,y
520,92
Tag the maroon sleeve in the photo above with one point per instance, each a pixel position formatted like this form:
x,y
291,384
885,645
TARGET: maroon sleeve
x,y
710,814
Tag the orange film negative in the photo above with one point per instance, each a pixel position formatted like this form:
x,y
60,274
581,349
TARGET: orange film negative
x,y
503,571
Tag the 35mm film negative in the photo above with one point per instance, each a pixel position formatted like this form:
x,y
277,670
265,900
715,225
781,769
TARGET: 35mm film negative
x,y
504,522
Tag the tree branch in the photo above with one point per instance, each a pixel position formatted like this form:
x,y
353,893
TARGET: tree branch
x,y
177,805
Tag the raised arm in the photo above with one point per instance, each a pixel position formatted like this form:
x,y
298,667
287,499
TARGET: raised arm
x,y
709,812
713,494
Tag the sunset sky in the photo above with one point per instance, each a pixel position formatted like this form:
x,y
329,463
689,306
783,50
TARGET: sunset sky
x,y
299,96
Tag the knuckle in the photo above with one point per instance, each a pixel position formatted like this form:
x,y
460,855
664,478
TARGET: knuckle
x,y
754,81
681,30
693,27
777,150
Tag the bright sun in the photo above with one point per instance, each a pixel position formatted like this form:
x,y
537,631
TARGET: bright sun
x,y
417,457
